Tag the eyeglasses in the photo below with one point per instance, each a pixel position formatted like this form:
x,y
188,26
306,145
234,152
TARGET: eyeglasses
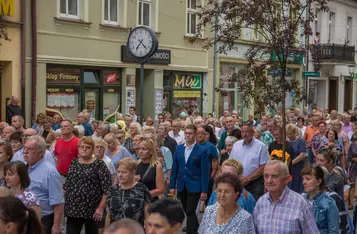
x,y
100,147
189,133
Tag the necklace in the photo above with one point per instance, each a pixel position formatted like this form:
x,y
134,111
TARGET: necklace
x,y
221,221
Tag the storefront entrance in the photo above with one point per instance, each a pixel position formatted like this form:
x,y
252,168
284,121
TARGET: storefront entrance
x,y
72,89
182,91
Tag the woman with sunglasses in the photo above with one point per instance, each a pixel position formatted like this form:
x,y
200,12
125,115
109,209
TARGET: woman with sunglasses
x,y
115,151
149,170
86,190
5,157
18,180
325,209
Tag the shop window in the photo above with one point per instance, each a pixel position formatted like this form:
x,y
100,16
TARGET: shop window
x,y
69,8
111,101
111,12
191,19
144,12
64,100
91,77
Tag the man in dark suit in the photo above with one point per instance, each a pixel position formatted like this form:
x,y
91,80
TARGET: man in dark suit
x,y
190,175
13,109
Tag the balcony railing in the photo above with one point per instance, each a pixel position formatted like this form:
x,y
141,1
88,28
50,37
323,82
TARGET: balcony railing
x,y
334,53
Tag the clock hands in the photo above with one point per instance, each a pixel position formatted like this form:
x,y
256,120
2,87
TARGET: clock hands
x,y
140,43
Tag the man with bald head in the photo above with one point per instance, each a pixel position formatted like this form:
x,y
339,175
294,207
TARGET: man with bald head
x,y
13,109
7,133
19,155
253,154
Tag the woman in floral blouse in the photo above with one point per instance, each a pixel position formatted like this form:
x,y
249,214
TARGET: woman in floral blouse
x,y
86,190
331,143
18,180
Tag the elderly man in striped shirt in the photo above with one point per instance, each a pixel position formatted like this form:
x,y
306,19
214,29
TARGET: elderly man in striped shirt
x,y
282,210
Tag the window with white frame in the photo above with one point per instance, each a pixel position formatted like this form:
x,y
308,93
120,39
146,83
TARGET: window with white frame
x,y
111,12
144,12
191,19
349,31
69,8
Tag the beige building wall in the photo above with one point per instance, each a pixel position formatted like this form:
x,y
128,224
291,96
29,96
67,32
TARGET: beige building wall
x,y
10,58
87,42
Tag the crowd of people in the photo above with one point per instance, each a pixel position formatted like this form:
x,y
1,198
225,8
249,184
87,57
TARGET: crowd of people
x,y
243,176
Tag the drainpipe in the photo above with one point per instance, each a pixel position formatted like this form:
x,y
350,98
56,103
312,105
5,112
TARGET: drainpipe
x,y
214,66
34,59
23,58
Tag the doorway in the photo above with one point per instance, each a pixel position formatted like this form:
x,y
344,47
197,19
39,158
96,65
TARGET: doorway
x,y
348,94
333,98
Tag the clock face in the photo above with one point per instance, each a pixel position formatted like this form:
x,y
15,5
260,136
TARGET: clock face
x,y
140,42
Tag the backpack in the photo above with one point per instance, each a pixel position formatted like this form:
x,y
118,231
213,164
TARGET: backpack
x,y
342,210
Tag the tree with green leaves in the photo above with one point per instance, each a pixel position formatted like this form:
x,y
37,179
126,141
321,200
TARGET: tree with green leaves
x,y
3,32
282,25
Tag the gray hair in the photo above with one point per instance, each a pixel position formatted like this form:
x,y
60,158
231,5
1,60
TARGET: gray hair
x,y
178,122
80,129
127,224
11,128
283,168
106,127
101,141
138,126
40,142
113,127
167,128
231,139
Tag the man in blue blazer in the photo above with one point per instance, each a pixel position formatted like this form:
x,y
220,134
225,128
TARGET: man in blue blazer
x,y
190,175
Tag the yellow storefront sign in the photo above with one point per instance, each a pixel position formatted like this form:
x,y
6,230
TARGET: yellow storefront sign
x,y
7,7
187,94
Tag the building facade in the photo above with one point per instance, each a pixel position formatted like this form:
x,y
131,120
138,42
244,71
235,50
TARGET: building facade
x,y
335,39
10,53
235,60
82,62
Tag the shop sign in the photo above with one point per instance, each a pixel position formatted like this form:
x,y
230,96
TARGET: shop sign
x,y
160,57
62,78
187,82
187,94
7,7
293,57
62,90
111,78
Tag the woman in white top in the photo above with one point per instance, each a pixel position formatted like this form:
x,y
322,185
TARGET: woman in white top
x,y
100,146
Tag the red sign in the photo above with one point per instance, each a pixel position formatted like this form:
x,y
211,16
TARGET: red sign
x,y
110,78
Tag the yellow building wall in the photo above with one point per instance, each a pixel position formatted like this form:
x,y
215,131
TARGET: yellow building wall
x,y
91,44
10,58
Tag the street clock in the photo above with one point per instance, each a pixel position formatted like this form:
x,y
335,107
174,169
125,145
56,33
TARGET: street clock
x,y
142,42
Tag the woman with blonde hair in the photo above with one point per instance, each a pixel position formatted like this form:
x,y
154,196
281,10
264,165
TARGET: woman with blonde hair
x,y
148,130
342,138
246,199
298,157
149,170
115,151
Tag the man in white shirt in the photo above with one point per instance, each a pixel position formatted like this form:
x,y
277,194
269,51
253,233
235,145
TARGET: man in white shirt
x,y
176,133
253,154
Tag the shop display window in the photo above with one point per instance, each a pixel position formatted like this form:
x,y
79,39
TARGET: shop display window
x,y
64,100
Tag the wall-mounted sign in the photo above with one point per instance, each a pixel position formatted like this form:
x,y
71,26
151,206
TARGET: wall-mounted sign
x,y
187,94
62,75
110,78
160,57
60,90
183,81
293,57
7,7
